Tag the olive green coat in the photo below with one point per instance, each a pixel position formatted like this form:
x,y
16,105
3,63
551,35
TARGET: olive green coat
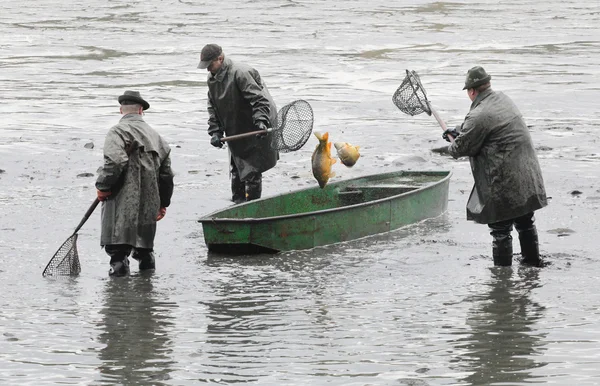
x,y
238,100
507,174
137,170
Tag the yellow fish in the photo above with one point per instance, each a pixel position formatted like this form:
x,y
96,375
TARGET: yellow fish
x,y
322,160
348,153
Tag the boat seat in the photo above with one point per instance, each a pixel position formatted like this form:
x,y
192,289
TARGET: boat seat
x,y
404,188
355,194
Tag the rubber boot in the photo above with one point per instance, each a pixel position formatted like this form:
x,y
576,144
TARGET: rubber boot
x,y
253,186
502,250
145,258
530,250
238,192
119,264
253,190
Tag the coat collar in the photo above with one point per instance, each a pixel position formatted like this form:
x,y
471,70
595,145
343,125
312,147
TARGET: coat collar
x,y
132,117
220,75
480,97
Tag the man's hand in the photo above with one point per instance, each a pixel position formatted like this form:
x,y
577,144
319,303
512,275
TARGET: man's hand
x,y
102,196
261,126
450,132
215,140
161,214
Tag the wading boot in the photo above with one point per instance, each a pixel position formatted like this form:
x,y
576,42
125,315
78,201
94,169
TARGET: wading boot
x,y
119,268
530,250
254,188
238,193
119,264
502,250
146,259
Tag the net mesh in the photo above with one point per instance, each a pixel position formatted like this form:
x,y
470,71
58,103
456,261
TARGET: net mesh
x,y
65,261
410,97
294,126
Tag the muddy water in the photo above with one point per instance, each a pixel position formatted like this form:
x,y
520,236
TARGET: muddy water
x,y
419,306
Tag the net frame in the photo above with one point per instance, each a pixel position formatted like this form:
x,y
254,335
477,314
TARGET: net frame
x,y
410,97
294,126
65,261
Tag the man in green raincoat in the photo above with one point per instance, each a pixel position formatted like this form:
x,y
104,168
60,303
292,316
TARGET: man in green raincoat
x,y
135,184
239,102
508,179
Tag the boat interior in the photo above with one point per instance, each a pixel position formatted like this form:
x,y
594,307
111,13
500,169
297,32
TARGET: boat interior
x,y
335,195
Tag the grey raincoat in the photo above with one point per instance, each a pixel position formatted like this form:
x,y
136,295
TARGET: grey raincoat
x,y
137,170
237,100
508,179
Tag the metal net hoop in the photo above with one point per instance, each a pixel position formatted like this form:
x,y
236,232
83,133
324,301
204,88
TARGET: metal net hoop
x,y
410,97
65,261
294,126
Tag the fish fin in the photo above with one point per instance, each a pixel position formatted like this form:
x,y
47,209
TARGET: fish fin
x,y
332,174
325,136
318,135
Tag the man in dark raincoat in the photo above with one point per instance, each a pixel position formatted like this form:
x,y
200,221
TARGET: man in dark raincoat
x,y
508,180
239,102
135,184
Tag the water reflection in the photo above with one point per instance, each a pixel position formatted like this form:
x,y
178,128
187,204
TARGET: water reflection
x,y
243,313
135,322
503,345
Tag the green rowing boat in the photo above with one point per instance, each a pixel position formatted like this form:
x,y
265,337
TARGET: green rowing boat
x,y
342,211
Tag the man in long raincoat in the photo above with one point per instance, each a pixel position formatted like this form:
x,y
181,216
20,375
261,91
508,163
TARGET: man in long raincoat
x,y
239,102
508,179
135,184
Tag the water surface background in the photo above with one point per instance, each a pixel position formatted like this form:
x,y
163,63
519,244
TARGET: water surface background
x,y
419,306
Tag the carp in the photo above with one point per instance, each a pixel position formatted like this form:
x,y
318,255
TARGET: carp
x,y
347,153
322,160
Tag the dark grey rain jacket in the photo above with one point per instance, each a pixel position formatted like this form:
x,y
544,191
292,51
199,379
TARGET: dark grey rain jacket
x,y
507,174
137,170
237,100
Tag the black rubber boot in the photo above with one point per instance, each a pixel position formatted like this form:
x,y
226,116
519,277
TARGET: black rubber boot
x,y
119,264
253,187
502,250
145,258
530,249
119,268
238,191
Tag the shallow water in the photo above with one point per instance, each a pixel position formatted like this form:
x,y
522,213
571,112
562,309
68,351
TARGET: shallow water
x,y
419,306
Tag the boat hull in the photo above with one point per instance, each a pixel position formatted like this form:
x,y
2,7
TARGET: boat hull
x,y
343,211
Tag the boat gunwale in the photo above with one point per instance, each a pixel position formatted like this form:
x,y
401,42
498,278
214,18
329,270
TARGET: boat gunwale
x,y
208,219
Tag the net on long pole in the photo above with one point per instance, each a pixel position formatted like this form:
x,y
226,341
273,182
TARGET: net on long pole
x,y
65,261
410,97
294,126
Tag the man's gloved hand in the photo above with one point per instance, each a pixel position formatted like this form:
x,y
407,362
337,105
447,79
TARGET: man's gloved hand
x,y
102,196
215,140
161,213
261,126
450,132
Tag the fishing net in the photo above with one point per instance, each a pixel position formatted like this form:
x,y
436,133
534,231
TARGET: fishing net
x,y
65,261
410,97
294,126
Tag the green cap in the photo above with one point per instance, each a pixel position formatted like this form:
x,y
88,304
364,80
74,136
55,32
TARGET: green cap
x,y
476,76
